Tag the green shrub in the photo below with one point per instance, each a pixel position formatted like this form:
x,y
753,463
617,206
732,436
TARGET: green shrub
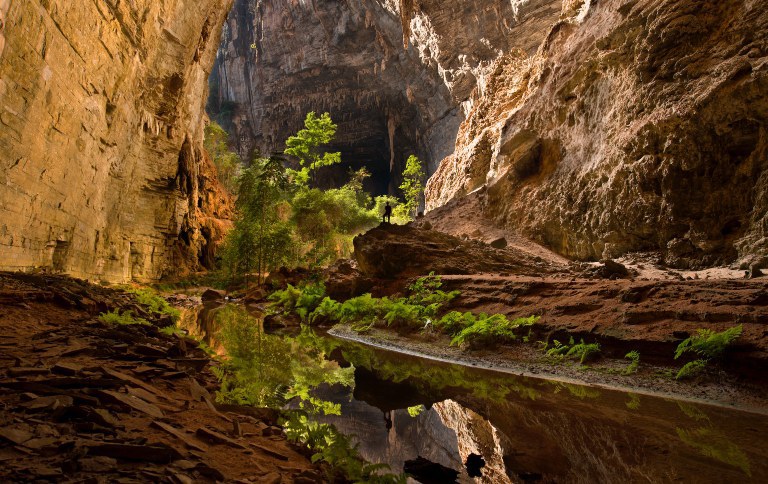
x,y
416,410
122,319
708,343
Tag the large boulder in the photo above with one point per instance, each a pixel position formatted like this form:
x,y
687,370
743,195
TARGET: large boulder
x,y
398,251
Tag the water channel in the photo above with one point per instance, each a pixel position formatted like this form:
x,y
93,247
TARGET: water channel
x,y
451,423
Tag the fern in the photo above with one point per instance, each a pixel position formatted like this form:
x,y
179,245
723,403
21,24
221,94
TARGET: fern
x,y
583,351
122,319
426,291
691,369
558,349
400,313
708,343
286,298
634,357
491,330
454,322
154,302
328,310
299,300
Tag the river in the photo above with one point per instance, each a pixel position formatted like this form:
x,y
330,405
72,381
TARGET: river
x,y
445,422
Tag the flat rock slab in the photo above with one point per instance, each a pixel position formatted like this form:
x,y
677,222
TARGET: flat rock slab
x,y
133,402
67,368
181,435
218,438
26,371
53,402
15,436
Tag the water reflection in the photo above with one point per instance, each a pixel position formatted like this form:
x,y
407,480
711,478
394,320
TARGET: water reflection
x,y
401,408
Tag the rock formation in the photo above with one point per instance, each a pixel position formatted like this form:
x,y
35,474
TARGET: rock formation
x,y
391,94
102,172
599,128
637,125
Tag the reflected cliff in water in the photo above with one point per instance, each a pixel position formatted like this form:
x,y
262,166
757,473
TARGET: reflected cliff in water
x,y
402,408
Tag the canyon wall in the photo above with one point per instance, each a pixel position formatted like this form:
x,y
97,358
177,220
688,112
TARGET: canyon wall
x,y
599,128
391,94
637,125
102,172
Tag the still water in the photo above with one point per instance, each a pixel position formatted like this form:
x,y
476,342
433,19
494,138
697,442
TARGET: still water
x,y
434,418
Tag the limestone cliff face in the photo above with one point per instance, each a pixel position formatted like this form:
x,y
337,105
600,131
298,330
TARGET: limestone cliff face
x,y
638,124
102,174
395,75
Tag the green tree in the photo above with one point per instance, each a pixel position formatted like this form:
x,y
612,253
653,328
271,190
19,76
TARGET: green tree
x,y
262,238
228,164
307,144
412,186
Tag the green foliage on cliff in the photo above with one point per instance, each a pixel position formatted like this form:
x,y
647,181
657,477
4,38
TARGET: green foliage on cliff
x,y
228,164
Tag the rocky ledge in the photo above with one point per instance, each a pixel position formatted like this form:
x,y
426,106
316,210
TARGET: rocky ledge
x,y
606,303
89,402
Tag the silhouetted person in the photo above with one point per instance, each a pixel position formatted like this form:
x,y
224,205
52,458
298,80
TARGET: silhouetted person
x,y
387,213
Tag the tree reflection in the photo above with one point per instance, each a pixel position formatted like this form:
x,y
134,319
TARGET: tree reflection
x,y
269,371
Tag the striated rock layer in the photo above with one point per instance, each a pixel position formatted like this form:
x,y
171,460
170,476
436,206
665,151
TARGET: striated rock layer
x,y
392,94
637,125
102,172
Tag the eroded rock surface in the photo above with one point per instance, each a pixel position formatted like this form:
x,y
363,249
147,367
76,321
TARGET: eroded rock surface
x,y
402,251
84,400
102,171
392,93
637,125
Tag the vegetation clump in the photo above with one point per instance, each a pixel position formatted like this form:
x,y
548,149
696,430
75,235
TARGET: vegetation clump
x,y
115,317
228,164
420,310
581,351
634,362
154,303
491,330
707,344
285,219
412,187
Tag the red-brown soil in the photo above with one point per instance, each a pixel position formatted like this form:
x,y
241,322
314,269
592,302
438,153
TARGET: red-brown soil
x,y
84,401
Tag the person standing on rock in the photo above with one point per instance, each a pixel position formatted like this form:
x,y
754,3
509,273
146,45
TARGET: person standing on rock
x,y
387,213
